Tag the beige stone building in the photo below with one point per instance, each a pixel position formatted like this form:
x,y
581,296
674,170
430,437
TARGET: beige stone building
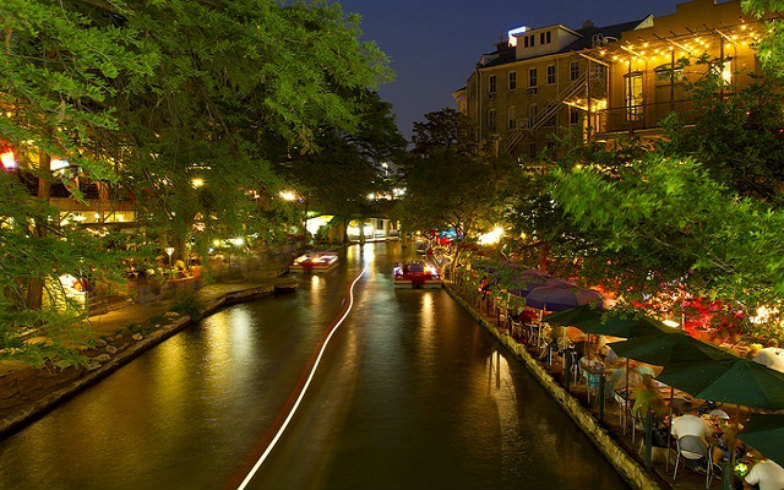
x,y
605,81
651,66
536,84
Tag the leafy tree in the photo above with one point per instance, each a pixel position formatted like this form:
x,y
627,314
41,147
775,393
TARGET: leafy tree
x,y
738,138
655,232
446,129
546,236
156,95
337,178
59,62
771,48
277,74
449,184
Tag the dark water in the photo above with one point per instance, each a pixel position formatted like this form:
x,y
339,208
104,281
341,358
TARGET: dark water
x,y
410,394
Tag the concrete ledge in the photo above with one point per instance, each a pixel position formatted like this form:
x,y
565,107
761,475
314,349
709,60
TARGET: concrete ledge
x,y
39,408
629,468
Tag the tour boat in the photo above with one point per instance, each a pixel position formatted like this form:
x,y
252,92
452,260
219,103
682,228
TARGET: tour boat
x,y
416,275
314,262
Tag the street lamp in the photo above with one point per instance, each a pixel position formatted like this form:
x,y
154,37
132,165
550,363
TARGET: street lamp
x,y
169,252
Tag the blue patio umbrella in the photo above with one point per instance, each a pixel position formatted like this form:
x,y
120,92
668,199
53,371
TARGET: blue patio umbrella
x,y
559,297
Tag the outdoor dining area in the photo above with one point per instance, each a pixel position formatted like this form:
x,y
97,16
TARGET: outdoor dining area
x,y
697,414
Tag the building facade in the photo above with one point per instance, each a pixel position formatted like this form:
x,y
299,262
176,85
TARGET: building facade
x,y
651,67
605,81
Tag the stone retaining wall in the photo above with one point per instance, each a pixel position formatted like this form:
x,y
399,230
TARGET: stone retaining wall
x,y
175,324
630,469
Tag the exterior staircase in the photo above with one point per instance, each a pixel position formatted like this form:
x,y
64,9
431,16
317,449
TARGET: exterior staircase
x,y
528,126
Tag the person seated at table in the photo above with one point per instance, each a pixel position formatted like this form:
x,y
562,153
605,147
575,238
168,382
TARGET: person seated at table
x,y
647,398
693,425
686,424
609,355
766,475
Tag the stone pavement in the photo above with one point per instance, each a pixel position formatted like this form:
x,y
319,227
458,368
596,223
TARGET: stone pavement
x,y
121,335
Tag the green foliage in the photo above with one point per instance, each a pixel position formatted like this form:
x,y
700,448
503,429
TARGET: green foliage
x,y
337,178
187,302
665,221
446,129
213,110
152,95
35,246
771,48
59,64
738,138
448,182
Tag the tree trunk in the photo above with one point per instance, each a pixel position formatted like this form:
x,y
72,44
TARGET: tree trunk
x,y
544,252
35,285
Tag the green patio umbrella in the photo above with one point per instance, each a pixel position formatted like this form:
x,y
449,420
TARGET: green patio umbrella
x,y
585,315
733,380
662,350
594,320
765,433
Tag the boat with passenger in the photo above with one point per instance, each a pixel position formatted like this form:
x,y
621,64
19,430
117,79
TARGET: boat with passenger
x,y
314,262
416,275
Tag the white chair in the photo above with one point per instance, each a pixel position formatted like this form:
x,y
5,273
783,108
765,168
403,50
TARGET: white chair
x,y
621,401
694,449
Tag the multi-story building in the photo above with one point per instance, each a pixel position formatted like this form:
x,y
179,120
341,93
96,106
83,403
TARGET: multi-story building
x,y
532,85
651,67
605,80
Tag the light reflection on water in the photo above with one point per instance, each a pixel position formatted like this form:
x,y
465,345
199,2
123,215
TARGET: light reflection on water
x,y
411,394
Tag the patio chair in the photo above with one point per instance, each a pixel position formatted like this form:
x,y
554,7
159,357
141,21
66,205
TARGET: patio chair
x,y
620,399
592,381
694,449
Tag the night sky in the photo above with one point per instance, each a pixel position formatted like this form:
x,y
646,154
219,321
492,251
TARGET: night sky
x,y
434,44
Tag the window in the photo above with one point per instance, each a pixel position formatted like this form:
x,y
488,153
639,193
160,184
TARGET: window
x,y
532,112
574,70
512,80
492,84
541,38
724,72
532,149
491,120
531,39
634,100
532,77
548,37
574,116
380,224
511,117
525,41
664,73
551,74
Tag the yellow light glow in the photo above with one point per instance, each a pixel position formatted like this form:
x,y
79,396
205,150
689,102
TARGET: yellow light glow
x,y
313,224
492,237
197,182
288,195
